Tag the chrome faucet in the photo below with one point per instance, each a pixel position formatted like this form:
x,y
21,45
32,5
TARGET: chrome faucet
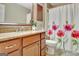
x,y
17,30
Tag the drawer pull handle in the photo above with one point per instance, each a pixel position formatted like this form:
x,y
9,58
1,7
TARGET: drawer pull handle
x,y
8,47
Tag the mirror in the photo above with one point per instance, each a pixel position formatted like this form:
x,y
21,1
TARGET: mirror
x,y
16,13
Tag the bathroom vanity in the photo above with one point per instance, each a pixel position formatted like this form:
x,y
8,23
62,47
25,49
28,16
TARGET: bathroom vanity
x,y
27,43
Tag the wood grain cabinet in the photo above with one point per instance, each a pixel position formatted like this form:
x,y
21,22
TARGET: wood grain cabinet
x,y
32,50
8,47
43,35
31,39
15,53
43,52
43,44
32,45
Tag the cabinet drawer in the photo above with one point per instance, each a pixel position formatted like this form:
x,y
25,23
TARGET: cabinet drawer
x,y
31,39
15,53
42,35
43,43
10,46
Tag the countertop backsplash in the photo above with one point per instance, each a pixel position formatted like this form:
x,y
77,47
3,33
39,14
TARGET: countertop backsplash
x,y
4,29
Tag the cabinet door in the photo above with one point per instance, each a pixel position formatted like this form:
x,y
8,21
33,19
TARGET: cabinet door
x,y
37,49
32,50
28,51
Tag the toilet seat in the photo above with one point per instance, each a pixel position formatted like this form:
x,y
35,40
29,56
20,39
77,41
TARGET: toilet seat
x,y
51,47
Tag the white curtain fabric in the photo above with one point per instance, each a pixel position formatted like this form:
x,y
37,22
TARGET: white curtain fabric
x,y
59,15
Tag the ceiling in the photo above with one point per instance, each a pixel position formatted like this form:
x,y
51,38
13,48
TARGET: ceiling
x,y
52,5
49,5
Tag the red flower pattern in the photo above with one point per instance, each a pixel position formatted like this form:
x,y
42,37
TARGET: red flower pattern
x,y
49,32
75,34
54,27
60,33
68,27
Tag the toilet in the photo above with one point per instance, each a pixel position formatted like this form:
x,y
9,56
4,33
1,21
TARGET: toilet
x,y
51,47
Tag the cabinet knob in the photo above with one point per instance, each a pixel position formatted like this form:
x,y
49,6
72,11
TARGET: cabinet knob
x,y
11,46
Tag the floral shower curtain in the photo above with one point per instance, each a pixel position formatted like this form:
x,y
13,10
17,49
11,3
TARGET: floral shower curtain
x,y
59,16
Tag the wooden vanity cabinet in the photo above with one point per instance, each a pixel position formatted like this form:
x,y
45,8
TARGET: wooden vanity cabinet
x,y
32,45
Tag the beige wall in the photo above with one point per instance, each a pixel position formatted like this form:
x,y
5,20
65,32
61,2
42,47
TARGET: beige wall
x,y
45,17
15,13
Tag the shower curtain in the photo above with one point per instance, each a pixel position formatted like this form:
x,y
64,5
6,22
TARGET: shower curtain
x,y
59,15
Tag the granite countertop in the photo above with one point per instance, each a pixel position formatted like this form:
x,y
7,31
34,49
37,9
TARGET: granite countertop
x,y
12,35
